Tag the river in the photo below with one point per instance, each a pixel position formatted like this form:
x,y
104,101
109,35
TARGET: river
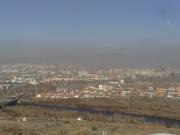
x,y
168,122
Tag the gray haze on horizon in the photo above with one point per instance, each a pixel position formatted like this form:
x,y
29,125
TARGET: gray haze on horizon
x,y
136,54
115,33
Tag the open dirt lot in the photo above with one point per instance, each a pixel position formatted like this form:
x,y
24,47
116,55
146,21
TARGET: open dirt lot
x,y
65,126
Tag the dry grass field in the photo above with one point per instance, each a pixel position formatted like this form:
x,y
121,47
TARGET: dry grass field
x,y
70,125
162,107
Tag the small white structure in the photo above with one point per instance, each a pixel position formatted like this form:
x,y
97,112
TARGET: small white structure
x,y
101,87
151,88
38,96
79,119
24,119
122,81
76,96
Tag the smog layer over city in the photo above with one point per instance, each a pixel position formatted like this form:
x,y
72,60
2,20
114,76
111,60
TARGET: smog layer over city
x,y
89,67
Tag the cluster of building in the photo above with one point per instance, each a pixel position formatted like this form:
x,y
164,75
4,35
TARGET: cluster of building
x,y
111,91
77,82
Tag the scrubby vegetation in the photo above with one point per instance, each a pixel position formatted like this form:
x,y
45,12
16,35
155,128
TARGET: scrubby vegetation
x,y
15,130
169,108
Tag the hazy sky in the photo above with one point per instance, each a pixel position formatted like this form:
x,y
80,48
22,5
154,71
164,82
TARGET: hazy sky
x,y
104,32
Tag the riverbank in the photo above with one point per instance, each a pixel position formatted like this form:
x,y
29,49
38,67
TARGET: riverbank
x,y
158,107
71,126
111,116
